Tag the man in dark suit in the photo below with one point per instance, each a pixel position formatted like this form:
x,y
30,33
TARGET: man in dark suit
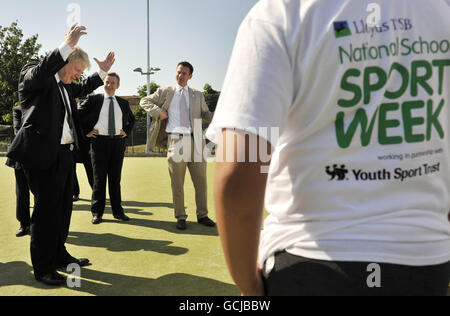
x,y
46,146
85,159
107,120
22,188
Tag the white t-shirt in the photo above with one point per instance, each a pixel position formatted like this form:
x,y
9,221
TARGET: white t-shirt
x,y
361,170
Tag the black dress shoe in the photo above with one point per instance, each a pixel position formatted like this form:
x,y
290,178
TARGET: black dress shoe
x,y
96,220
53,279
206,221
23,231
122,217
181,224
82,262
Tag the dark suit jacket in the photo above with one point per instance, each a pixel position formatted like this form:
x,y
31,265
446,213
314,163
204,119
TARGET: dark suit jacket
x,y
17,123
37,143
90,109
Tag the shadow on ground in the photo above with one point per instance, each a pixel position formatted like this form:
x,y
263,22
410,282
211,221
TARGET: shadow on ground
x,y
193,228
111,284
118,243
130,207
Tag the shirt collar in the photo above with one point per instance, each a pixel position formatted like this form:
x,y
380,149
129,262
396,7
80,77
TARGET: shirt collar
x,y
179,88
107,96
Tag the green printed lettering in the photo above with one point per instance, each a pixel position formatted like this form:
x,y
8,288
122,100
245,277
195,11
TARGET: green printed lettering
x,y
358,54
405,80
433,119
384,124
347,86
405,44
409,121
372,87
417,79
441,63
416,120
344,138
343,51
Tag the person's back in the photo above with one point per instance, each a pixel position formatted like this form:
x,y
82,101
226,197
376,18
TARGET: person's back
x,y
361,171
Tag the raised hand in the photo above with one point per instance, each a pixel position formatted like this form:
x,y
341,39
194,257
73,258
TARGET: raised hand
x,y
106,64
74,34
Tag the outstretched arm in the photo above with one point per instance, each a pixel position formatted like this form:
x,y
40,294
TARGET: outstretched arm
x,y
94,81
34,75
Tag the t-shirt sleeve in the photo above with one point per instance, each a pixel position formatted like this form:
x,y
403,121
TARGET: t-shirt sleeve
x,y
258,88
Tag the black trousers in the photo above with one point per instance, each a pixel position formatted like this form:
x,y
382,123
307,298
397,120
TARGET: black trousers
x,y
89,173
107,161
298,276
22,198
53,192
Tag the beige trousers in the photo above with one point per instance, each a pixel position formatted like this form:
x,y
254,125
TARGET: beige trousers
x,y
182,155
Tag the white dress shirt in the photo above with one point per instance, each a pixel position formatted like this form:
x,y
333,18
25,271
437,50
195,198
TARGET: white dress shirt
x,y
103,119
173,125
67,136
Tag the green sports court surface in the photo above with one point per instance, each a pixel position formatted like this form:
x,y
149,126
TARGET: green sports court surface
x,y
146,256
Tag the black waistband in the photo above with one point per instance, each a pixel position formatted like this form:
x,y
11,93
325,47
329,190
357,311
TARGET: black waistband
x,y
109,137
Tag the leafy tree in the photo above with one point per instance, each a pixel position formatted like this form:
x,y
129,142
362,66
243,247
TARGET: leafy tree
x,y
139,112
142,91
14,54
211,97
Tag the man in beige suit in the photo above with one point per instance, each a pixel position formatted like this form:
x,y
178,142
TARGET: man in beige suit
x,y
179,112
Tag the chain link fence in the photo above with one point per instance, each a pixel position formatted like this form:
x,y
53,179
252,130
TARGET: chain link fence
x,y
6,136
137,141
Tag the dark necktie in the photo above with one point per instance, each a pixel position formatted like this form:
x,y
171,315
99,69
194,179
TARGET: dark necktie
x,y
69,116
111,118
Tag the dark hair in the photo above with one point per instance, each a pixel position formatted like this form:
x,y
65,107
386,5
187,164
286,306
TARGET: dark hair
x,y
115,75
186,64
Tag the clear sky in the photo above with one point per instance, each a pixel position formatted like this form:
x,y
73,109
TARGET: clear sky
x,y
199,31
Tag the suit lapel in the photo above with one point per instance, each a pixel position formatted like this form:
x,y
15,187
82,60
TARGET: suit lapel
x,y
101,100
170,95
122,105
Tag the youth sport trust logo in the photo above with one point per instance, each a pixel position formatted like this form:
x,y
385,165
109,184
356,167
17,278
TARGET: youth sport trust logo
x,y
341,172
338,173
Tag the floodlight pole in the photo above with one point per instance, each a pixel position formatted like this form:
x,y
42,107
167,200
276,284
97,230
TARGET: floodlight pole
x,y
147,147
150,71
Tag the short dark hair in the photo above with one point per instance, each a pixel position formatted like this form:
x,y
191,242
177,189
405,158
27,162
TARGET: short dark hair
x,y
186,64
115,75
